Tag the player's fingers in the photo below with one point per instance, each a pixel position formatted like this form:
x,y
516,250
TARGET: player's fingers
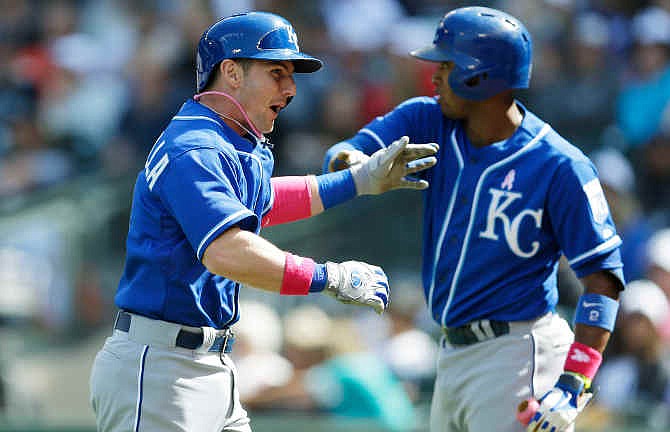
x,y
417,151
415,184
420,165
375,303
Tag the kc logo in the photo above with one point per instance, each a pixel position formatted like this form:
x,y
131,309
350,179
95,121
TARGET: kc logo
x,y
499,202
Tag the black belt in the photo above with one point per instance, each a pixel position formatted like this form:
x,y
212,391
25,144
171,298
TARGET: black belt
x,y
185,338
476,331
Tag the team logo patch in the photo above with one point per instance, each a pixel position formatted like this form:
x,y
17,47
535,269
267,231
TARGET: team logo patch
x,y
597,202
356,280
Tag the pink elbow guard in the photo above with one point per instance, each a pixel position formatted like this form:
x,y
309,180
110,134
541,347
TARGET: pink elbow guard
x,y
292,200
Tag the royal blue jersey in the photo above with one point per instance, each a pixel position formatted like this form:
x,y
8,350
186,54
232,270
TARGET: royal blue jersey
x,y
498,218
200,179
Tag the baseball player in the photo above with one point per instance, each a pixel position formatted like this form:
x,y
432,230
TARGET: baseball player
x,y
198,207
508,197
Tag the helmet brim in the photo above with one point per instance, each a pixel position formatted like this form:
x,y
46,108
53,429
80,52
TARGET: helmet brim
x,y
429,53
303,63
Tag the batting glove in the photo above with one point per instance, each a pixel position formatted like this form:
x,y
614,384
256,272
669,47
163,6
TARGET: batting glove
x,y
346,159
358,283
387,168
560,406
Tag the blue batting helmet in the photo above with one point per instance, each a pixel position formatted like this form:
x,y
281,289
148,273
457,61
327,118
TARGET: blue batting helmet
x,y
251,35
491,51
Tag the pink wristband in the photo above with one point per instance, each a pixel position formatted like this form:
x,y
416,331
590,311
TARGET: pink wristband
x,y
583,360
298,272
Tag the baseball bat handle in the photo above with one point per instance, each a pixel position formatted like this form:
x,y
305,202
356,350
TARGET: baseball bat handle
x,y
526,410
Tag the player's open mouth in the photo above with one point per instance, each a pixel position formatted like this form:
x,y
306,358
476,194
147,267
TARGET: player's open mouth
x,y
276,108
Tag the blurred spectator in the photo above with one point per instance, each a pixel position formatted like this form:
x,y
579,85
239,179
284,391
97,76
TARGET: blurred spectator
x,y
658,270
578,102
334,374
644,98
409,351
82,106
635,382
618,181
653,172
258,340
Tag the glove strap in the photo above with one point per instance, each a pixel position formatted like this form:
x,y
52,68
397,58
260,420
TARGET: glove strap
x,y
571,383
583,360
298,275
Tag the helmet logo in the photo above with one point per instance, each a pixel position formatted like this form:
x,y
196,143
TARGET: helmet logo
x,y
280,38
293,38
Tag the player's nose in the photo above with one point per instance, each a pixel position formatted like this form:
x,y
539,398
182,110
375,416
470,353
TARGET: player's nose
x,y
289,89
436,79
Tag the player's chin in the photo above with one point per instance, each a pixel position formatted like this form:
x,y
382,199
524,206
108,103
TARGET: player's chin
x,y
269,127
451,113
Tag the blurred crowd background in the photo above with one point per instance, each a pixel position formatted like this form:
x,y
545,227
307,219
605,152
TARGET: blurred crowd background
x,y
86,86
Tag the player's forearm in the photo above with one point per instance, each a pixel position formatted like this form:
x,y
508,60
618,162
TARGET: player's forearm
x,y
244,257
605,284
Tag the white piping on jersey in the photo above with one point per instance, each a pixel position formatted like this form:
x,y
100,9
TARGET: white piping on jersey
x,y
196,118
219,225
614,241
450,208
260,171
154,151
473,210
374,136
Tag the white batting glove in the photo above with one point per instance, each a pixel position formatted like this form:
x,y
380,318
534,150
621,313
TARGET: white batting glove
x,y
346,159
387,168
560,406
355,282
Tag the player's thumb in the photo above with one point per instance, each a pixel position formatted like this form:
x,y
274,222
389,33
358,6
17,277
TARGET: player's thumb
x,y
393,151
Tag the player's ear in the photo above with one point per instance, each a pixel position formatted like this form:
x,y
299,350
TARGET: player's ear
x,y
232,72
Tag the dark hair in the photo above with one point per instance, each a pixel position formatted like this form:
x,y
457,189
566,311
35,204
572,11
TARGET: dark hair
x,y
216,71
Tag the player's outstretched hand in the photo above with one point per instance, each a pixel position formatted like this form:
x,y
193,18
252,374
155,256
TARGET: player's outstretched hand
x,y
355,282
388,168
560,406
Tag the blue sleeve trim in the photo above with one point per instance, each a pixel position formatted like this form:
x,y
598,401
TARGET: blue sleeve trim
x,y
597,310
610,261
609,244
336,188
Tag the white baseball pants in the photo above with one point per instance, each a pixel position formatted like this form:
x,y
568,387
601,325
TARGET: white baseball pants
x,y
141,382
478,387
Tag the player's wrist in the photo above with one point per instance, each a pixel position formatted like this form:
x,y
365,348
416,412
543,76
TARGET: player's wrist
x,y
298,275
336,188
319,278
583,360
583,378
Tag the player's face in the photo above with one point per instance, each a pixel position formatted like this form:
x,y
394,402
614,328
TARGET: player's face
x,y
266,89
452,105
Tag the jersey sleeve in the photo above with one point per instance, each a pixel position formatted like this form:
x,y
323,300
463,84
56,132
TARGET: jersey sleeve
x,y
383,130
201,190
582,221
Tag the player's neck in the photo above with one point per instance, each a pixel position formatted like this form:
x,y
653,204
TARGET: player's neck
x,y
228,113
492,123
